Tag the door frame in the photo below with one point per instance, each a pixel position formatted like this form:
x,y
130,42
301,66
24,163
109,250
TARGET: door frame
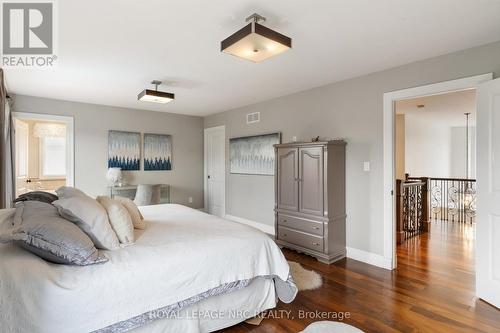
x,y
389,180
206,131
70,137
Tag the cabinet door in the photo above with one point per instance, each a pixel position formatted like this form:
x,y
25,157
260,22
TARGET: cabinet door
x,y
287,182
311,180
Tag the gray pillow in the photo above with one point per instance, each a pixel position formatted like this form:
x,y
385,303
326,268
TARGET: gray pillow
x,y
38,228
91,217
68,191
37,196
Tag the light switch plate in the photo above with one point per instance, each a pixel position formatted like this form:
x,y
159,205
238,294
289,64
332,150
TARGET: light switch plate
x,y
366,166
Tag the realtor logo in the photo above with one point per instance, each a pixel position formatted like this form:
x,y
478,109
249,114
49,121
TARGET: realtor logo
x,y
28,34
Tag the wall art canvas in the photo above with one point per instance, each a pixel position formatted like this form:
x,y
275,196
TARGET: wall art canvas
x,y
253,154
157,152
124,150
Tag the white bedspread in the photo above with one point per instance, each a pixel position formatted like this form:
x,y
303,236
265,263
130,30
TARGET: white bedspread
x,y
182,253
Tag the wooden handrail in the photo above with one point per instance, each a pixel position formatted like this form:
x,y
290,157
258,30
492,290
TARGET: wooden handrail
x,y
450,179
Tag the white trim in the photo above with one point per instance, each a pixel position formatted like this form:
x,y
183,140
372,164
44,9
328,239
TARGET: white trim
x,y
205,173
70,138
268,229
368,257
388,158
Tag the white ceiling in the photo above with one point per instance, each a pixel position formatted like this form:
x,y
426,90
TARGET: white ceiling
x,y
446,108
110,50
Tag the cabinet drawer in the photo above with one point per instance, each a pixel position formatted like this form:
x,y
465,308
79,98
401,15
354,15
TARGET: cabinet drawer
x,y
301,239
308,226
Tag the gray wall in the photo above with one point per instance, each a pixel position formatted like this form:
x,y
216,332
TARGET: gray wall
x,y
350,109
92,123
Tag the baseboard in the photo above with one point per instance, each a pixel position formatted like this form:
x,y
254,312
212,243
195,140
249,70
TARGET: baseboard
x,y
268,229
369,258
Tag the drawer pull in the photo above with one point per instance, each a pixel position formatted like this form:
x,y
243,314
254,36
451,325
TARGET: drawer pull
x,y
284,235
315,244
315,228
285,221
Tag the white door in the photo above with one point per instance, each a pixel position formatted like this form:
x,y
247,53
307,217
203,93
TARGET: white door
x,y
215,171
488,193
21,151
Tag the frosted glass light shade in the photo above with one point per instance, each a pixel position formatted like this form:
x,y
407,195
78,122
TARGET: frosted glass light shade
x,y
256,43
155,96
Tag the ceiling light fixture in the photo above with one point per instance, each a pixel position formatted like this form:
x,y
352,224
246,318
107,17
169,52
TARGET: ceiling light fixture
x,y
255,42
155,96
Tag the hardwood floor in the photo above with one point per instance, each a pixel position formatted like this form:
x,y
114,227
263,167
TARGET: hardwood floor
x,y
432,290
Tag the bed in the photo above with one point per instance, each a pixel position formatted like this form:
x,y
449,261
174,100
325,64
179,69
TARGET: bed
x,y
187,272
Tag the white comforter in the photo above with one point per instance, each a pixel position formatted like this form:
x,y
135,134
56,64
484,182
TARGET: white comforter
x,y
182,253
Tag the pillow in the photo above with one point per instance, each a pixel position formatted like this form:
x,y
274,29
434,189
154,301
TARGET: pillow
x,y
37,196
133,211
147,195
6,218
91,217
119,218
68,192
38,228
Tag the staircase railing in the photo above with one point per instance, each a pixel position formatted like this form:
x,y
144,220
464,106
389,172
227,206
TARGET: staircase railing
x,y
412,207
453,199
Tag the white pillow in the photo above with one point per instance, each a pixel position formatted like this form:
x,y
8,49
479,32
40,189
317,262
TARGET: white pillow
x,y
119,218
91,217
135,214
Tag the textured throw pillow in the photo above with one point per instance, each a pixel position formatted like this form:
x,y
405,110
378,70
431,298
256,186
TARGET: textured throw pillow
x,y
91,217
135,214
37,196
68,192
38,228
147,195
119,218
6,218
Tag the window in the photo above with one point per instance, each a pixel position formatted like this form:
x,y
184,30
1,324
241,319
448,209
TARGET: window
x,y
53,157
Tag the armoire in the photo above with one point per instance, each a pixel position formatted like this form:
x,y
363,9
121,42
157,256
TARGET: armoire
x,y
310,212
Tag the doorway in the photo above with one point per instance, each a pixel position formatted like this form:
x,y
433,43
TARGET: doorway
x,y
215,170
435,161
43,152
389,168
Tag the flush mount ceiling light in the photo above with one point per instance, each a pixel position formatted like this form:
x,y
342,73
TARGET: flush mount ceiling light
x,y
256,42
155,96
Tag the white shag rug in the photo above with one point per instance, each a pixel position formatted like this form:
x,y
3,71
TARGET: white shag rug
x,y
330,327
305,279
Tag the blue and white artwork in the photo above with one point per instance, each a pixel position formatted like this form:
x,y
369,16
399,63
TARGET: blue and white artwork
x,y
157,152
253,154
124,150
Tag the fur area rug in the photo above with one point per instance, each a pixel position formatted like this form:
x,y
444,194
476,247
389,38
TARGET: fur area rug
x,y
305,279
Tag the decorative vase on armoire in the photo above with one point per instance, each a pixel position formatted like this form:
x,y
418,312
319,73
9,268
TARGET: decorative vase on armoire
x,y
310,212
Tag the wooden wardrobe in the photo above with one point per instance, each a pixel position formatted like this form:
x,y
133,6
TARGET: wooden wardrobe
x,y
310,212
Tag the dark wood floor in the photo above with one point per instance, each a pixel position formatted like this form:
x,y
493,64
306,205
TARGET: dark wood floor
x,y
431,291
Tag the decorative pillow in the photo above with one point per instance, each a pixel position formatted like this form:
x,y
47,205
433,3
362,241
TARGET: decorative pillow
x,y
38,228
6,218
91,217
134,212
68,192
119,219
37,196
147,195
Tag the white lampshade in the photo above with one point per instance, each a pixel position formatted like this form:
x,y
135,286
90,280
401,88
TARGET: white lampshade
x,y
114,175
